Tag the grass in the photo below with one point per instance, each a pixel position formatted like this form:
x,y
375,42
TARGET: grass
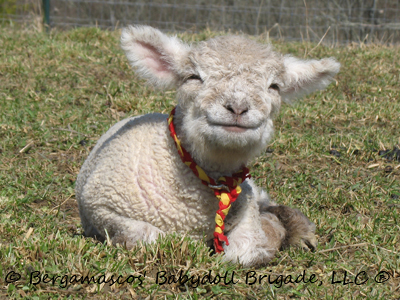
x,y
60,92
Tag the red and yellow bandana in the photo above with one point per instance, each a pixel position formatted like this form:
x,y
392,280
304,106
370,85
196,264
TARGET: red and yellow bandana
x,y
226,189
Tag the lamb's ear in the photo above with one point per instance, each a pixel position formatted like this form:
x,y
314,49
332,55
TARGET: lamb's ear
x,y
306,76
156,56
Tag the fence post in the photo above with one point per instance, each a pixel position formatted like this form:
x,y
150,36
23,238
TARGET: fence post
x,y
46,9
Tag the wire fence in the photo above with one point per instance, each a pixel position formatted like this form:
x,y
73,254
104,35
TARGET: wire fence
x,y
337,21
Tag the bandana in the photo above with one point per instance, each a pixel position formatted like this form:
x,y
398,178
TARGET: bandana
x,y
226,189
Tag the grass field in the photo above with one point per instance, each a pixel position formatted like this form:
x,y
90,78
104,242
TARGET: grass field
x,y
60,92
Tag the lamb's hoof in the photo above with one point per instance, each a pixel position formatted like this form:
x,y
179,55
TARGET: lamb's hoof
x,y
309,242
300,231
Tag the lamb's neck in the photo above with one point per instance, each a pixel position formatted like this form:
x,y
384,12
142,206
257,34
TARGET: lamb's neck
x,y
217,164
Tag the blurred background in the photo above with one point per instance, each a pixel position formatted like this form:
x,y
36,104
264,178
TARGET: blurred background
x,y
336,21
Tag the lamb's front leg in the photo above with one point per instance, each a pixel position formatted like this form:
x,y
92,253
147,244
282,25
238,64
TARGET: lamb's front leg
x,y
255,238
300,231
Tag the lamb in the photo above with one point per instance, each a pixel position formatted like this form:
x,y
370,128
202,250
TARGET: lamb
x,y
136,186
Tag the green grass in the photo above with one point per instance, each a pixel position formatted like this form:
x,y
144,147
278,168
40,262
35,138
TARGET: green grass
x,y
60,92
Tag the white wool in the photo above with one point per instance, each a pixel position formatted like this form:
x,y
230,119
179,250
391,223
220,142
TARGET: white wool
x,y
134,187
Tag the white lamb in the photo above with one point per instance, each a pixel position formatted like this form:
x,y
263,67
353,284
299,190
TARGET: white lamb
x,y
134,185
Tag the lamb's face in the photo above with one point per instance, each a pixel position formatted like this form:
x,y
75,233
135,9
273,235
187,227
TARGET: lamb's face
x,y
230,91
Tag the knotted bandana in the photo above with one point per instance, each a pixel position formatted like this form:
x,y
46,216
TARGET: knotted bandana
x,y
226,189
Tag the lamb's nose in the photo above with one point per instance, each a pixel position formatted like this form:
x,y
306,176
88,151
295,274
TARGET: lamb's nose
x,y
237,109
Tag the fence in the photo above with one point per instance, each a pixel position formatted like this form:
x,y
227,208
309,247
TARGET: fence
x,y
338,21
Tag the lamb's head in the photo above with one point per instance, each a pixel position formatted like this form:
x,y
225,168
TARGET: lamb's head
x,y
228,90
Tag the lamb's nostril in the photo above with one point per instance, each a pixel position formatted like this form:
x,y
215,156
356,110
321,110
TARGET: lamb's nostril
x,y
230,108
245,110
237,109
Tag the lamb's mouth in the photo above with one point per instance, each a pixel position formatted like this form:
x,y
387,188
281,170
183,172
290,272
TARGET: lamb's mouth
x,y
235,128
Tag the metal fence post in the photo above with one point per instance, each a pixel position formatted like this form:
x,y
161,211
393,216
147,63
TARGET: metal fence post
x,y
46,9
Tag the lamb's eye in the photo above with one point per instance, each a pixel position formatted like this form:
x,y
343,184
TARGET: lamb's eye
x,y
193,77
275,87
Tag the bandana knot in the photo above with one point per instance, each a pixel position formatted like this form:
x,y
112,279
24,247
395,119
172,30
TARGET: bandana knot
x,y
226,189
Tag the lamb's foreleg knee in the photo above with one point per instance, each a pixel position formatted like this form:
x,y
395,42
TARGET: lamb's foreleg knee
x,y
255,240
